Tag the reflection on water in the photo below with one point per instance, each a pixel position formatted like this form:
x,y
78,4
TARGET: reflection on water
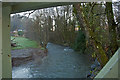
x,y
61,62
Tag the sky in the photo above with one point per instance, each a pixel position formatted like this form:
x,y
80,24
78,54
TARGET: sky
x,y
46,0
114,0
22,13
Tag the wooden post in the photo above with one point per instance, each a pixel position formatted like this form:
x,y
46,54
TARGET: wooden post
x,y
0,40
6,47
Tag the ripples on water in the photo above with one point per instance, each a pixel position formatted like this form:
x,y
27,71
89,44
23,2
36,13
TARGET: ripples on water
x,y
61,62
21,72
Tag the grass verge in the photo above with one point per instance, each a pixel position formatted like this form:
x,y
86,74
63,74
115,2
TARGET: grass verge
x,y
23,43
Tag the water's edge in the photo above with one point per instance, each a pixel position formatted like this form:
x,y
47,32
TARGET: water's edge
x,y
61,62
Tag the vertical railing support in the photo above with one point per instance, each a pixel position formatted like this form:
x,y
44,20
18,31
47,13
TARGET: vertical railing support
x,y
0,40
6,47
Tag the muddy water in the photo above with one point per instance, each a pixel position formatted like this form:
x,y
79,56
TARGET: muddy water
x,y
61,62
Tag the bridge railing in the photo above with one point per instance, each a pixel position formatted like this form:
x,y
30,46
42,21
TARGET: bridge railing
x,y
110,70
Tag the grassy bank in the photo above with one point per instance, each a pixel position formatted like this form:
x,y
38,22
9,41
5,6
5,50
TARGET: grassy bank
x,y
23,43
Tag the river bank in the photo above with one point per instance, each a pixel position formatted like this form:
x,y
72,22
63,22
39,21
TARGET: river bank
x,y
22,56
60,62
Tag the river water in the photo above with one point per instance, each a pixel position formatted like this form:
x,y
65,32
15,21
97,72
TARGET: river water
x,y
61,62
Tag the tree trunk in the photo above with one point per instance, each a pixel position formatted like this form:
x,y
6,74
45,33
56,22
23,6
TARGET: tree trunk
x,y
102,57
112,28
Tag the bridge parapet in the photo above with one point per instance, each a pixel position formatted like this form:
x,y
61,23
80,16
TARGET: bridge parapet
x,y
110,70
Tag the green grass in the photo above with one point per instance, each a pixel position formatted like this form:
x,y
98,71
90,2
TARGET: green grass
x,y
24,43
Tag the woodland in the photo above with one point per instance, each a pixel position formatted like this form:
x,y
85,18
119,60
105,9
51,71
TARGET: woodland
x,y
88,27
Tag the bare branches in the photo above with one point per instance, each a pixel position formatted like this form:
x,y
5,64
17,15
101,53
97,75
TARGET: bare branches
x,y
31,13
93,4
100,14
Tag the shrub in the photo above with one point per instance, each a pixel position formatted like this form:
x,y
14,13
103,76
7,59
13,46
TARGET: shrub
x,y
80,42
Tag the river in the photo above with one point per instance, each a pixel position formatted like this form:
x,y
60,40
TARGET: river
x,y
61,62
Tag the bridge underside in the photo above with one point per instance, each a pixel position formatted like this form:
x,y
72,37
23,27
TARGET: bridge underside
x,y
26,6
5,49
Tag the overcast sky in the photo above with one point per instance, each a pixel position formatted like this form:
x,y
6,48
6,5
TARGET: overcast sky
x,y
22,13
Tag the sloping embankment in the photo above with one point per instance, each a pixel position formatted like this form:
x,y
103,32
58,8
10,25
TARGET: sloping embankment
x,y
22,56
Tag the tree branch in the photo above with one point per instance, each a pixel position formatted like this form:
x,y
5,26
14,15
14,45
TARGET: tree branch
x,y
31,13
